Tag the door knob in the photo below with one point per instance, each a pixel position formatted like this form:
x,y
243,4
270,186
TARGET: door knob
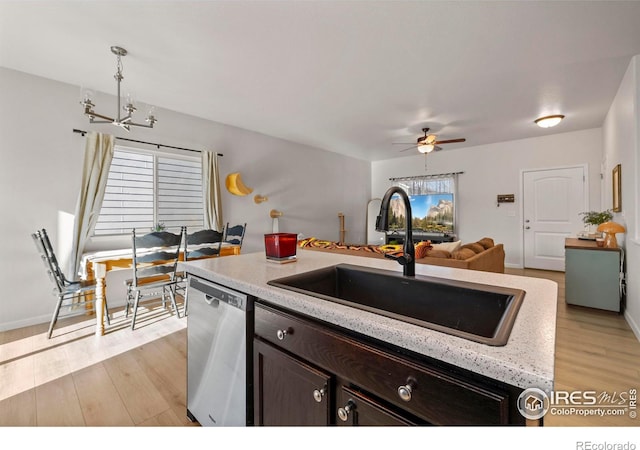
x,y
527,227
527,220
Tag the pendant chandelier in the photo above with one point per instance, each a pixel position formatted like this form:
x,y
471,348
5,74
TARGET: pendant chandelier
x,y
125,122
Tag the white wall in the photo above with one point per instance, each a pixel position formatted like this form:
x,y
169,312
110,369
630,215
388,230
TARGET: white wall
x,y
495,169
40,163
621,132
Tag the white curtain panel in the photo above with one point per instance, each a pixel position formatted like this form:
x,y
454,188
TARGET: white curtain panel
x,y
98,154
212,195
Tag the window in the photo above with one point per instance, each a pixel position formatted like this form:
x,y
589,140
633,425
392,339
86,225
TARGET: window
x,y
432,200
145,188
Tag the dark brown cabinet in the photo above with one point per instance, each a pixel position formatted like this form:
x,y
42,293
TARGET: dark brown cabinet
x,y
290,391
309,373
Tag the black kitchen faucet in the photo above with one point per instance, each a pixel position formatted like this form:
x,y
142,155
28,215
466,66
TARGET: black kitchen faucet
x,y
408,258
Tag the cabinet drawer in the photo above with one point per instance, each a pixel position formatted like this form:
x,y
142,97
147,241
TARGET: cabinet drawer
x,y
429,393
357,409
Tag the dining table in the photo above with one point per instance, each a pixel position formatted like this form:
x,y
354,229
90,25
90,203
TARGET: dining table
x,y
95,265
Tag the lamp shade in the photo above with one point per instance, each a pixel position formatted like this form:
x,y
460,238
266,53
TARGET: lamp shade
x,y
610,229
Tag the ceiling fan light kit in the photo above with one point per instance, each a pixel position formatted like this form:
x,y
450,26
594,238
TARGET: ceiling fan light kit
x,y
426,148
125,122
429,142
549,121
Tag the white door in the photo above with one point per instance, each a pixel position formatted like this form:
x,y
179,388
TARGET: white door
x,y
552,200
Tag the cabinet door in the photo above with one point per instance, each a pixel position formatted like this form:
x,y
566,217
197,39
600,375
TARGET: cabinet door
x,y
287,391
592,278
357,409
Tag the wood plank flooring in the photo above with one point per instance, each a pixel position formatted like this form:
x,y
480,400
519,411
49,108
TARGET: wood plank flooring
x,y
125,378
595,351
138,378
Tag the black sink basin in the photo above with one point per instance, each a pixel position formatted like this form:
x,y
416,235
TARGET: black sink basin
x,y
472,311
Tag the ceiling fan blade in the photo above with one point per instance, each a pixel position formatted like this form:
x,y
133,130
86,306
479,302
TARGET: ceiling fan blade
x,y
408,148
403,143
450,141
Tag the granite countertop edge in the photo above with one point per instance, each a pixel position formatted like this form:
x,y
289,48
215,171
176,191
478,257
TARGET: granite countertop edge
x,y
526,361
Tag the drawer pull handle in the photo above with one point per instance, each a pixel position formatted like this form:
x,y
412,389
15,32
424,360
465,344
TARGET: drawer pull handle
x,y
343,413
406,390
318,394
281,334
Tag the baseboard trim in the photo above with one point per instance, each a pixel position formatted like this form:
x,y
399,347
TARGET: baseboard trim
x,y
633,325
6,326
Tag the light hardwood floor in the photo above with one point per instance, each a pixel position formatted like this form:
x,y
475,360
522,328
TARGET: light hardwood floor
x,y
138,378
595,351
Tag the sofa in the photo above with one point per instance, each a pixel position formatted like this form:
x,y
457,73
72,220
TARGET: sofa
x,y
484,255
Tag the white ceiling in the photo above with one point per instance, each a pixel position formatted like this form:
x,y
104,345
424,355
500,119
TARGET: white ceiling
x,y
347,76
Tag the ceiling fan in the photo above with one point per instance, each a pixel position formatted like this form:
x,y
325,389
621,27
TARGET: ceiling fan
x,y
429,142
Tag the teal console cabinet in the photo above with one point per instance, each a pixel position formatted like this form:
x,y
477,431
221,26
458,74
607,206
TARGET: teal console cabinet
x,y
592,275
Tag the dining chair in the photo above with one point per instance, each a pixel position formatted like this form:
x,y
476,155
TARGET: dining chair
x,y
200,244
70,294
155,262
235,234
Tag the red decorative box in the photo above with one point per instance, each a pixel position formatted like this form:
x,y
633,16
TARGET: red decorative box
x,y
281,246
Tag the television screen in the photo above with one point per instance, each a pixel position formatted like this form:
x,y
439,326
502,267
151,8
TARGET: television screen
x,y
430,213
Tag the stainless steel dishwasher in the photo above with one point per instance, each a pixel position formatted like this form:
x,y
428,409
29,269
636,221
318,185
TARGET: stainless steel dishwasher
x,y
219,355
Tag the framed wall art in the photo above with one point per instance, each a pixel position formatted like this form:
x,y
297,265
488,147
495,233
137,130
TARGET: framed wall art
x,y
617,189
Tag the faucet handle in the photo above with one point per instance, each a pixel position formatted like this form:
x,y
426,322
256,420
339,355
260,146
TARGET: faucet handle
x,y
403,259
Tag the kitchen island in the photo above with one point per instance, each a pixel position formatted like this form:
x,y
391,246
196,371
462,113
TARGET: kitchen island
x,y
526,361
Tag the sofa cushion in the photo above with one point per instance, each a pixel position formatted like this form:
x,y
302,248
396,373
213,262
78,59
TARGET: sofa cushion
x,y
476,247
448,246
486,242
463,253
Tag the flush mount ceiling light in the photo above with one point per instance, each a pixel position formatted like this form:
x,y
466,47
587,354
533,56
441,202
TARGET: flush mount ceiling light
x,y
127,121
549,121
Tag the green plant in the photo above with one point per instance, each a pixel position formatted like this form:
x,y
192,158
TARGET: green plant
x,y
595,217
160,226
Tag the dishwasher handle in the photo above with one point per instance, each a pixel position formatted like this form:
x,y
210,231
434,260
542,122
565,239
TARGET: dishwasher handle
x,y
209,300
214,294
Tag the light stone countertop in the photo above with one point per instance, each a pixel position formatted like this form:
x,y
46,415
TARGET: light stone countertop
x,y
526,361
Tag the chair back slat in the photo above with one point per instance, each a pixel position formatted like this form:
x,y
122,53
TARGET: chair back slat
x,y
204,237
235,234
41,239
155,253
207,242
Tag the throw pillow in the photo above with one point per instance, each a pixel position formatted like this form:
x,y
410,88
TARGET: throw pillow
x,y
422,248
477,248
463,253
435,253
486,242
448,246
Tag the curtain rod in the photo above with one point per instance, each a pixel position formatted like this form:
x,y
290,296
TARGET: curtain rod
x,y
417,177
82,132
